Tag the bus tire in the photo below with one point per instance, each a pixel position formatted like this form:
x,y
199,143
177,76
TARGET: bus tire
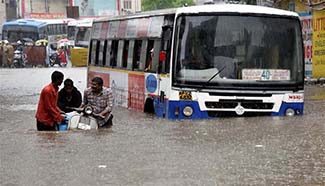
x,y
148,106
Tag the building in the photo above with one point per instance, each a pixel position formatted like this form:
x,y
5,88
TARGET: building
x,y
2,14
312,15
15,9
129,6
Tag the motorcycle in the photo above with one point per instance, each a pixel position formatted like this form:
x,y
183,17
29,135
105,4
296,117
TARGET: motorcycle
x,y
20,59
55,60
80,118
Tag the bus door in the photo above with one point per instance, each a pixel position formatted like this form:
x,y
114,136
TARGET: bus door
x,y
163,70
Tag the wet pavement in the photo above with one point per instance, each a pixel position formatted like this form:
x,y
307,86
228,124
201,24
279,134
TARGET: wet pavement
x,y
145,151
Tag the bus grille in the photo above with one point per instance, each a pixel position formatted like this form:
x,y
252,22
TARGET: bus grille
x,y
233,114
231,104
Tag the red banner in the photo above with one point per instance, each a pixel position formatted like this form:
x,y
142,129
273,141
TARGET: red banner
x,y
47,15
136,91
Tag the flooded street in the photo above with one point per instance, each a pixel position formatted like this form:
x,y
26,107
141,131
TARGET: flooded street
x,y
142,150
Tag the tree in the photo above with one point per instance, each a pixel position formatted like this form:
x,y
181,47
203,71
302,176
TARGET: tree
x,y
162,4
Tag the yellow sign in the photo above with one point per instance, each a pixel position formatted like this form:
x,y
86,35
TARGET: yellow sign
x,y
184,95
318,43
79,57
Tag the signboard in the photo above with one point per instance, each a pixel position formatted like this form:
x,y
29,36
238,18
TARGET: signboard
x,y
47,15
97,28
143,29
122,28
155,27
318,43
307,33
136,91
79,57
113,29
97,7
266,74
131,29
104,30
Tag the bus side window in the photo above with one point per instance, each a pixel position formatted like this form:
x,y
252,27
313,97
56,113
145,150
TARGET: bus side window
x,y
94,52
136,55
166,47
104,53
113,53
149,55
130,55
108,52
125,54
155,57
143,54
90,53
101,53
55,28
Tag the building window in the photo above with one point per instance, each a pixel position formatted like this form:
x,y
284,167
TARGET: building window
x,y
127,4
292,6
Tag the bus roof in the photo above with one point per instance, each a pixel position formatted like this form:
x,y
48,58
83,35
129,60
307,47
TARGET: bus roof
x,y
36,22
225,8
25,22
56,21
138,15
86,22
236,8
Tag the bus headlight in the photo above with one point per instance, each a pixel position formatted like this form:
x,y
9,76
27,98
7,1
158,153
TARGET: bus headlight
x,y
290,112
188,111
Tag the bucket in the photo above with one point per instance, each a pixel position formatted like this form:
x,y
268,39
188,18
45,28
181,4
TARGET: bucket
x,y
63,126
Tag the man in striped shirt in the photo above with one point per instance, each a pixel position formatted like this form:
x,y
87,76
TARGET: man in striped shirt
x,y
101,99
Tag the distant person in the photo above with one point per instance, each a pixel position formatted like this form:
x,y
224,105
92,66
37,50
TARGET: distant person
x,y
69,96
20,46
1,52
48,113
149,63
62,56
5,53
48,52
11,53
101,99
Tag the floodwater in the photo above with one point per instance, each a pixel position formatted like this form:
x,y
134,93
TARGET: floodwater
x,y
141,150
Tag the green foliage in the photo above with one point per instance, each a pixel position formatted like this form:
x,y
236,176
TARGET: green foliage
x,y
162,4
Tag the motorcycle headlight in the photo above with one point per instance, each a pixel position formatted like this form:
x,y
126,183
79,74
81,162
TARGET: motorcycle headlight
x,y
188,111
88,110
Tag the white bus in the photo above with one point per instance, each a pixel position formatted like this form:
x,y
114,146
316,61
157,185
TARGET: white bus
x,y
207,61
79,32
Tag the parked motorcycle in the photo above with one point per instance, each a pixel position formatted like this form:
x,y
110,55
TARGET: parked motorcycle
x,y
84,119
20,59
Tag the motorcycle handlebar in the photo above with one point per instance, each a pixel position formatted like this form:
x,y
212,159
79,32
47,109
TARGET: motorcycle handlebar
x,y
75,108
81,109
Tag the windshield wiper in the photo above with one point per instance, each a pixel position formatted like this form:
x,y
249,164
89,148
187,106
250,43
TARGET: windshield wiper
x,y
217,73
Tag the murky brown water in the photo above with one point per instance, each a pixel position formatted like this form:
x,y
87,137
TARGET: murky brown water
x,y
142,150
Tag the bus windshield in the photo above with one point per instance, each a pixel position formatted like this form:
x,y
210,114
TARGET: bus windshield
x,y
71,32
13,33
82,36
237,52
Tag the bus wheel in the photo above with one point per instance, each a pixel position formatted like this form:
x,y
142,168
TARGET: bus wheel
x,y
148,106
